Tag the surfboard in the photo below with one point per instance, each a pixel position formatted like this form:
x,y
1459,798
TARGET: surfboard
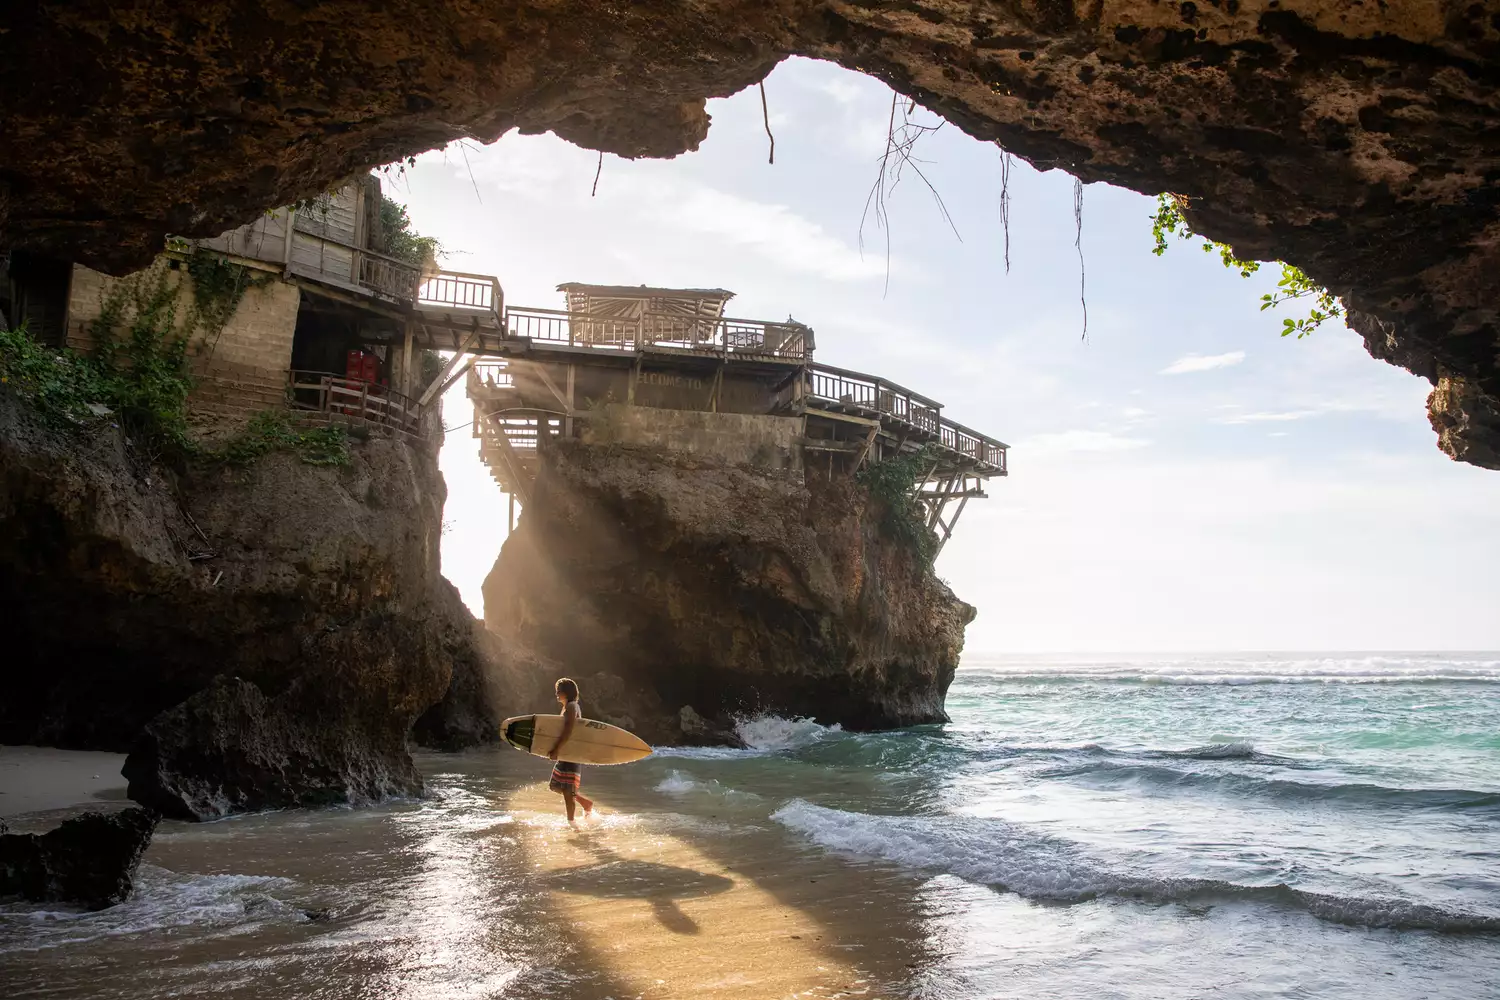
x,y
591,742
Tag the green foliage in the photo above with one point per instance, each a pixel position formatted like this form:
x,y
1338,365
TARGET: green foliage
x,y
58,383
218,287
894,482
432,367
136,374
401,240
270,431
1294,284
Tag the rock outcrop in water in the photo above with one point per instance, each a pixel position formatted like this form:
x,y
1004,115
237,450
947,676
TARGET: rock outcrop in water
x,y
284,668
683,592
1356,140
89,860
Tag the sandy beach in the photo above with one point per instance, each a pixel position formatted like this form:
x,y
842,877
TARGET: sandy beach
x,y
1003,855
41,785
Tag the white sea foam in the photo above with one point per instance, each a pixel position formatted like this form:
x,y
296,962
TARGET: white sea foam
x,y
772,732
678,784
1008,856
162,899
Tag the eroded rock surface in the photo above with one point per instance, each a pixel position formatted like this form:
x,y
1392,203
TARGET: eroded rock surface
x,y
322,596
664,583
89,860
1357,140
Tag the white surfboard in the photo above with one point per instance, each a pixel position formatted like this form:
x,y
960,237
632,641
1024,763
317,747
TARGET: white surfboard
x,y
591,742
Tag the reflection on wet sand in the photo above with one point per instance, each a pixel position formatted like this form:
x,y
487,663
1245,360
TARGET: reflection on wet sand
x,y
669,921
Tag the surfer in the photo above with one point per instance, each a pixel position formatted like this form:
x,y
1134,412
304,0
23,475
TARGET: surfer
x,y
567,776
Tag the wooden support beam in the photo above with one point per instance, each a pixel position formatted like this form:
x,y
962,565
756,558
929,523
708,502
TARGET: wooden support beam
x,y
828,444
569,402
713,394
864,449
512,460
541,372
411,332
939,501
441,383
458,373
635,374
948,528
846,417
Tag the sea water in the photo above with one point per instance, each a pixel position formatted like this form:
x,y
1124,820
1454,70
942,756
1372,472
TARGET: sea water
x,y
1142,827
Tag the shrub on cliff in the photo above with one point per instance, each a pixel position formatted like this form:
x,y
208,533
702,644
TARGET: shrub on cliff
x,y
894,482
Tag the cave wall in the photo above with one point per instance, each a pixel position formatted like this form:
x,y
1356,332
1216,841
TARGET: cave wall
x,y
277,659
1358,140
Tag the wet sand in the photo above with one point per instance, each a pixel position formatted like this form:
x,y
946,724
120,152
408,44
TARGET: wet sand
x,y
672,914
40,786
482,890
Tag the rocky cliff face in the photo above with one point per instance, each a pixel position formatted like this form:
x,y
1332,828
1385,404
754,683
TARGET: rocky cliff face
x,y
315,589
682,592
1357,140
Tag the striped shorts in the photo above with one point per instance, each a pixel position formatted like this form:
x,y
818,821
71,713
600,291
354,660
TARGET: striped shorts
x,y
566,776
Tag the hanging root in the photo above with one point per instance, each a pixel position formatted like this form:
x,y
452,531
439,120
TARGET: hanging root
x,y
765,116
1005,202
1078,245
901,137
597,171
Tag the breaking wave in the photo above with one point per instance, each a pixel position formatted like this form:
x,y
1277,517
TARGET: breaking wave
x,y
1009,857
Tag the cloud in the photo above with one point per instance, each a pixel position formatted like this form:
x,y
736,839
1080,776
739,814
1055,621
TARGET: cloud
x,y
1202,363
1065,442
1271,416
774,231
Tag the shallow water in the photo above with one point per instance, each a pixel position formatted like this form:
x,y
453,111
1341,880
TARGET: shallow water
x,y
1231,827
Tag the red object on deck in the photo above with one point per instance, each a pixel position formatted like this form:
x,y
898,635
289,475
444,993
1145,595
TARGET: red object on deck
x,y
361,366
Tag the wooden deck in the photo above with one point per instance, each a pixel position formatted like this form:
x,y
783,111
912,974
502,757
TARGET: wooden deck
x,y
534,373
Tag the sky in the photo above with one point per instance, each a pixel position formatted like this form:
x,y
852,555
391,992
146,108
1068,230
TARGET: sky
x,y
1182,478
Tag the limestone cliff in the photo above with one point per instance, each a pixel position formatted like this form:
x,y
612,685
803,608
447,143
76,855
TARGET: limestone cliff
x,y
1355,139
259,636
682,591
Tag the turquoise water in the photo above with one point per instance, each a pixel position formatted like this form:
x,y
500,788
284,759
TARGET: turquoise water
x,y
1233,826
1142,828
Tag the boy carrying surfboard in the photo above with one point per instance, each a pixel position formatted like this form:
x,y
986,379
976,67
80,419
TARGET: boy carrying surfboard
x,y
567,776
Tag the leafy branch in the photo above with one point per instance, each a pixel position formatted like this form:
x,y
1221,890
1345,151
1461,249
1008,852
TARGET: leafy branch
x,y
1294,284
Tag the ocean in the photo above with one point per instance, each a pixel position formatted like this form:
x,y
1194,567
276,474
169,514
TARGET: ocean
x,y
1243,826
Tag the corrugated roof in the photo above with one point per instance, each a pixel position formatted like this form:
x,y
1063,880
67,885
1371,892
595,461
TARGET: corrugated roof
x,y
641,290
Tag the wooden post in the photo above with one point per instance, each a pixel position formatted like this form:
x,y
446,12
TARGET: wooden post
x,y
572,385
411,326
635,373
286,250
865,448
713,393
510,516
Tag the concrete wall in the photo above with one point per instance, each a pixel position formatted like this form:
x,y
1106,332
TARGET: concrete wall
x,y
257,338
240,368
755,440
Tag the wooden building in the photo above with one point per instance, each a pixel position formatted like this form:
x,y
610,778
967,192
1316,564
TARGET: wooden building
x,y
673,350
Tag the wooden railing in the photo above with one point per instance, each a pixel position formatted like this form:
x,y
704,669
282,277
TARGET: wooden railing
x,y
387,276
461,290
743,337
335,395
867,392
491,375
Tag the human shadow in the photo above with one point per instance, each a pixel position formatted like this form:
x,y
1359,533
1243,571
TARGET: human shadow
x,y
662,886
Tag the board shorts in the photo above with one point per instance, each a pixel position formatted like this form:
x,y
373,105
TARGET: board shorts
x,y
566,776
